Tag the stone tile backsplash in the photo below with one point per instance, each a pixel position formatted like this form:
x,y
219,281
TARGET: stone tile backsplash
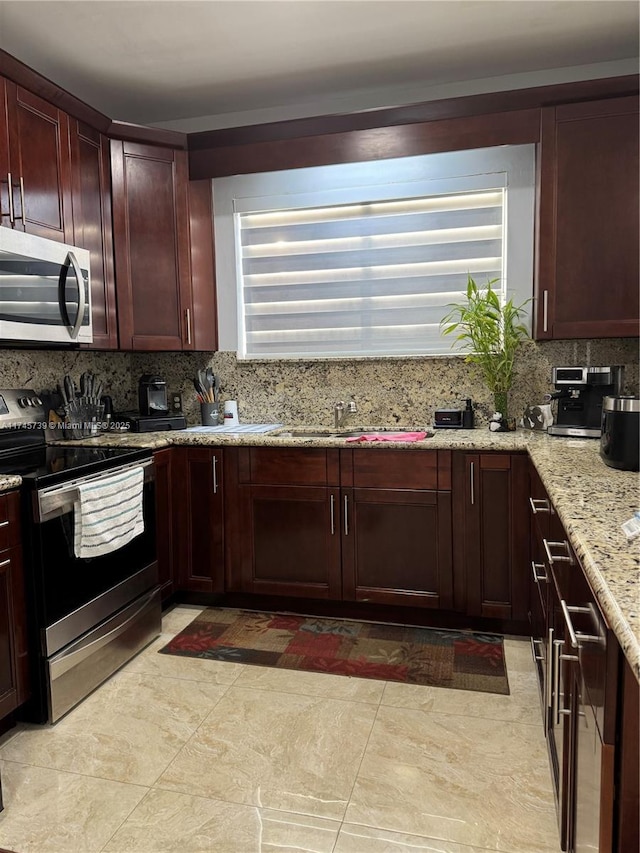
x,y
388,392
43,369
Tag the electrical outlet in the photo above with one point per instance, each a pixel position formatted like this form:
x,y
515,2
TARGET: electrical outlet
x,y
175,403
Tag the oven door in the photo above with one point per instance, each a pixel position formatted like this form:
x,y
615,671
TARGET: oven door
x,y
73,594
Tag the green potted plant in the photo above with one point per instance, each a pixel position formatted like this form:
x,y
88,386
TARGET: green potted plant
x,y
492,332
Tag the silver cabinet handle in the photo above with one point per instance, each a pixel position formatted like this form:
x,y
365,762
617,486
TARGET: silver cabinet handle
x,y
548,671
533,649
346,515
22,198
557,645
577,636
332,502
539,505
545,310
187,315
214,472
5,563
12,217
536,577
4,523
472,493
557,558
567,618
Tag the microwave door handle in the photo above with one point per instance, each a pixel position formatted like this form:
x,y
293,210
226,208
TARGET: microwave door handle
x,y
74,329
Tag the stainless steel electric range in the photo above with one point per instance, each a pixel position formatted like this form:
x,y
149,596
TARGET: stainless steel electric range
x,y
86,617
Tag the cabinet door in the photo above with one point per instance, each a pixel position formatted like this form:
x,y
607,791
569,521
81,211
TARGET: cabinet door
x,y
40,165
292,541
91,183
593,783
628,800
14,671
164,522
151,241
203,320
587,281
496,531
4,155
397,547
199,477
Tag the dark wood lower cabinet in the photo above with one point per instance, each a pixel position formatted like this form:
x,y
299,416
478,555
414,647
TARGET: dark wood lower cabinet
x,y
14,664
199,511
492,531
165,538
291,544
396,547
365,525
627,807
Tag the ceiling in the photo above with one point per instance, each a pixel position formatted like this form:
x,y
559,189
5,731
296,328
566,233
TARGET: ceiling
x,y
160,60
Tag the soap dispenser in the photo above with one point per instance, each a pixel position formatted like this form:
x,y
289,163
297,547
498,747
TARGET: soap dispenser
x,y
467,416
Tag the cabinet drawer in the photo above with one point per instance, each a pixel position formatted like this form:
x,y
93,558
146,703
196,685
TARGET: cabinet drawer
x,y
393,469
288,466
9,520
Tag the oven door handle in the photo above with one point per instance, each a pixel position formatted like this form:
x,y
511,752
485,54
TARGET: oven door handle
x,y
58,500
83,649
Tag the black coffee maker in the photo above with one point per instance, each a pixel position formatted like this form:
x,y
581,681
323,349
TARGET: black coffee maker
x,y
580,392
153,406
152,396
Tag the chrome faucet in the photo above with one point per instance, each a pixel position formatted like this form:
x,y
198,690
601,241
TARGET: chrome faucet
x,y
341,410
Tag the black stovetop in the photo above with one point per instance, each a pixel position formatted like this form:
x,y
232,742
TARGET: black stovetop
x,y
42,465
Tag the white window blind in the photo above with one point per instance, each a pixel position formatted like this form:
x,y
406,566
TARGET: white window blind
x,y
371,278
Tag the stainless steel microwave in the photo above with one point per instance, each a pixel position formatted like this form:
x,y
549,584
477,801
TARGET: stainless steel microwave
x,y
45,290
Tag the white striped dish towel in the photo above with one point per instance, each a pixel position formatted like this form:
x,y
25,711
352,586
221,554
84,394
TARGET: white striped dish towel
x,y
108,513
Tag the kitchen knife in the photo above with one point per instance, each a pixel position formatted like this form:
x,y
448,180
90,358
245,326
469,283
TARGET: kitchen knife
x,y
69,388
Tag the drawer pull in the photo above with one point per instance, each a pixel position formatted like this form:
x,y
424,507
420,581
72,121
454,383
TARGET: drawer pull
x,y
557,558
539,505
472,493
536,577
4,523
533,649
5,563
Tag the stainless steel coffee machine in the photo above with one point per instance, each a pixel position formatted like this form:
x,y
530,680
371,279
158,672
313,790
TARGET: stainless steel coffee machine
x,y
579,392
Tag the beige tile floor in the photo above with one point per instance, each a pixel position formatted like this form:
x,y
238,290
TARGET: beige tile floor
x,y
190,756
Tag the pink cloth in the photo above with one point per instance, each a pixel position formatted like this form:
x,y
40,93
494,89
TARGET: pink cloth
x,y
389,436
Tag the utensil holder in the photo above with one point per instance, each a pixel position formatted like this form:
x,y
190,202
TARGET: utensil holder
x,y
209,414
82,420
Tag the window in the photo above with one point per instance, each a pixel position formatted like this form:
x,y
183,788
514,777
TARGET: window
x,y
337,263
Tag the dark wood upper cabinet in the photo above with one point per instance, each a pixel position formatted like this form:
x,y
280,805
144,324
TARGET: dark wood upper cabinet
x,y
204,317
37,159
155,214
91,197
491,492
151,240
587,255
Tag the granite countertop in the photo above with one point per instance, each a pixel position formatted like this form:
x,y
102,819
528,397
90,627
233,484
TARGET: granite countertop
x,y
9,481
591,500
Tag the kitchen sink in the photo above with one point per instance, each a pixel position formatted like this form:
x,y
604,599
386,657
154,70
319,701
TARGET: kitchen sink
x,y
346,433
